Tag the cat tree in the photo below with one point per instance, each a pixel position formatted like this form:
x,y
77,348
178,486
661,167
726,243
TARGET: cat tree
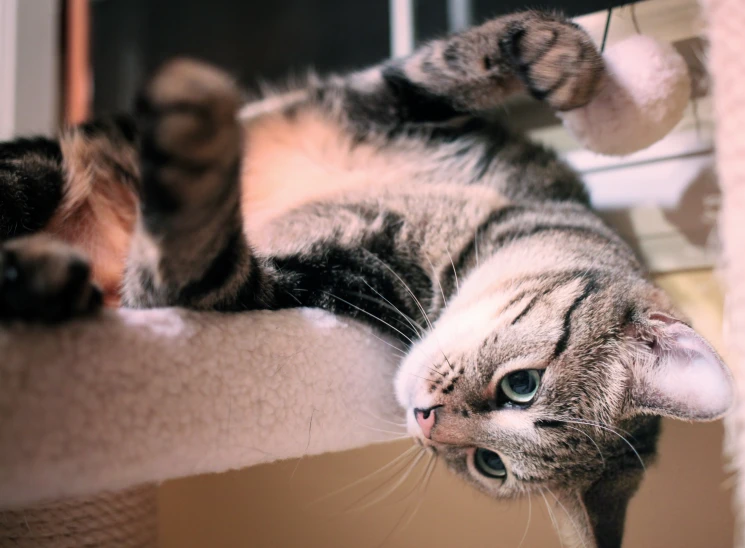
x,y
138,397
726,21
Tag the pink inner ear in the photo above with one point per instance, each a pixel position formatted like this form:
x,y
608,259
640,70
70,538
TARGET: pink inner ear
x,y
687,379
669,320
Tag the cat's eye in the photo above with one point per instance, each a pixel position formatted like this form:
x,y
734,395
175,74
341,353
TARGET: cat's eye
x,y
489,464
519,387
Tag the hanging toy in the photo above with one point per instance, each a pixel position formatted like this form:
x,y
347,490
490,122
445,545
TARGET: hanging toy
x,y
642,96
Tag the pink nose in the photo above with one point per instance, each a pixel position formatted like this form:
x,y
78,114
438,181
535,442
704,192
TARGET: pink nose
x,y
426,419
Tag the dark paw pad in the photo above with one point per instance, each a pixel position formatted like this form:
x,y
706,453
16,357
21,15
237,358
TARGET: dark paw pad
x,y
191,138
189,111
46,281
555,59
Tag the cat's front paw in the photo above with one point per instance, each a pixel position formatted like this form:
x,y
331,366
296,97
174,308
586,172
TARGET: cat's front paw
x,y
554,58
44,280
191,139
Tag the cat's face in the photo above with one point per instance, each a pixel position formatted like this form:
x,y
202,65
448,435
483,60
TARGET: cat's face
x,y
553,387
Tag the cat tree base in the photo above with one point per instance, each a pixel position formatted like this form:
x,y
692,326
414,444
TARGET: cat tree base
x,y
127,519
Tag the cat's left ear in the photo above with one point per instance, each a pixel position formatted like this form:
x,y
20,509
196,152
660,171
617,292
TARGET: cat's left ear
x,y
677,373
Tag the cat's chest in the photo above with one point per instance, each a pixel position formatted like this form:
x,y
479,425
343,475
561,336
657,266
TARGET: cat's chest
x,y
436,219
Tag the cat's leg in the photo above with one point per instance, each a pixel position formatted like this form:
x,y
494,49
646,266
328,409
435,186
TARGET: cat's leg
x,y
44,182
44,279
188,247
473,72
31,185
61,203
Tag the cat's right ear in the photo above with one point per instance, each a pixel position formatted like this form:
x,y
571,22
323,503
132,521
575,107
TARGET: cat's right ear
x,y
676,373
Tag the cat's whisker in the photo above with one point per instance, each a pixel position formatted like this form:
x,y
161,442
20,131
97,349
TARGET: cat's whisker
x,y
399,351
444,303
427,474
418,376
416,300
406,316
612,431
307,445
569,517
294,297
606,425
369,314
405,286
381,419
353,508
380,470
418,331
602,458
427,477
476,246
551,516
436,277
448,362
400,434
527,525
416,484
455,272
382,321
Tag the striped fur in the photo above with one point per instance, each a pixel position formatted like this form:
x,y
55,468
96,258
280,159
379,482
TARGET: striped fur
x,y
415,213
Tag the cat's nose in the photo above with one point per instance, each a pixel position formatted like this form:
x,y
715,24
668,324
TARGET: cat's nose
x,y
426,419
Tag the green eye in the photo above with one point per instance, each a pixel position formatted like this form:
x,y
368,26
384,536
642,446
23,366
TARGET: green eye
x,y
489,464
521,386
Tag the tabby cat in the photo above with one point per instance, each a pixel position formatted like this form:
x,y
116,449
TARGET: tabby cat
x,y
534,335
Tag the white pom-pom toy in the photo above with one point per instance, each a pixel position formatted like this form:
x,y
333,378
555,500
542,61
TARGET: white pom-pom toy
x,y
642,96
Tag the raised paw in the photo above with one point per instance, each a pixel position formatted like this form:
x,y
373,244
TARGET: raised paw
x,y
191,138
554,58
44,280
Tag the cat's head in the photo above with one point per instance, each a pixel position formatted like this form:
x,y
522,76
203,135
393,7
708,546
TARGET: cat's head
x,y
556,386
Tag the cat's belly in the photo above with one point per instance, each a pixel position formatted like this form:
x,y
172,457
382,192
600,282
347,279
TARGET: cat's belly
x,y
436,218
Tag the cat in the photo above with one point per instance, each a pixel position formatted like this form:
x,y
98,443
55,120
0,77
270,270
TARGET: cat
x,y
540,357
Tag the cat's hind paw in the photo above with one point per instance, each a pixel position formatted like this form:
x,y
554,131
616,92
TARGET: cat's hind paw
x,y
44,280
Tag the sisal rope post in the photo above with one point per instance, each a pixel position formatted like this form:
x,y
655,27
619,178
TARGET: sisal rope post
x,y
127,519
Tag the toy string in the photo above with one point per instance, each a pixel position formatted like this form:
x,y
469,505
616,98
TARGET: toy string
x,y
605,32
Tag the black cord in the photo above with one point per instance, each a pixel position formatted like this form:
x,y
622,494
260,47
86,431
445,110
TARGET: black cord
x,y
605,32
634,20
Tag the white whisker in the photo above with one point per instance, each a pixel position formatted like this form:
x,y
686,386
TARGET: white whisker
x,y
400,434
389,491
592,440
408,318
553,520
427,474
403,283
569,516
436,277
417,330
476,246
380,470
607,429
369,314
455,272
527,526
